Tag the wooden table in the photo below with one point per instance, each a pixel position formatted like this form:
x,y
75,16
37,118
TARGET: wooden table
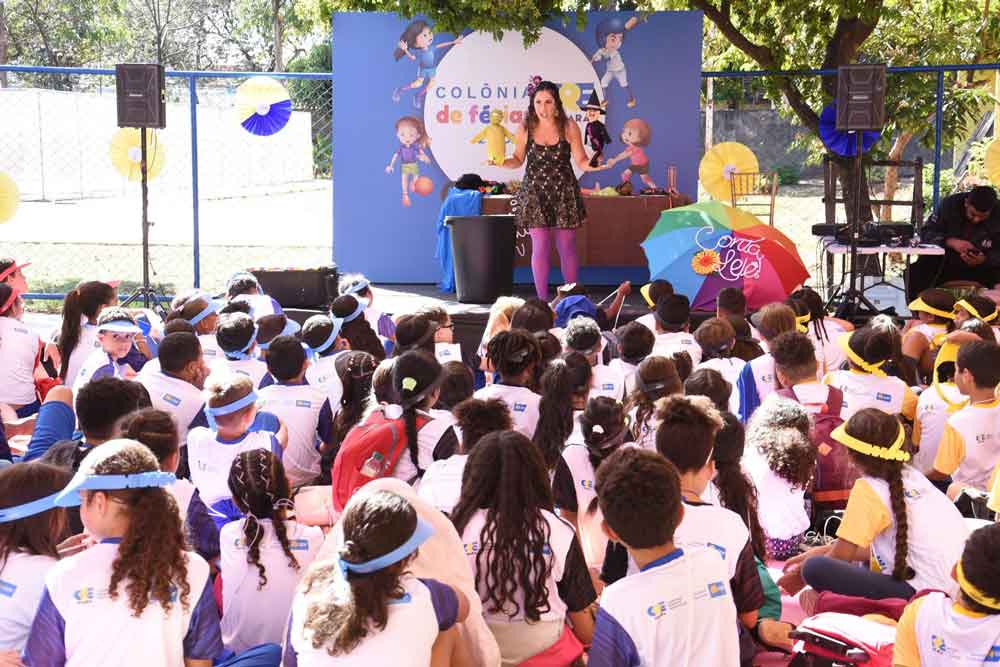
x,y
610,236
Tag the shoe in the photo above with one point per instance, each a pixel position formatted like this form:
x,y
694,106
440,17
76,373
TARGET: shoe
x,y
406,200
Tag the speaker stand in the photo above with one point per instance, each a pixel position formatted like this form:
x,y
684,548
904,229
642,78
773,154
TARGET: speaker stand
x,y
150,299
853,302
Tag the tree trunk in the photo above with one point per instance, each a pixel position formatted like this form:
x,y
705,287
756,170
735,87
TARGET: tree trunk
x,y
892,174
849,176
279,36
709,113
3,43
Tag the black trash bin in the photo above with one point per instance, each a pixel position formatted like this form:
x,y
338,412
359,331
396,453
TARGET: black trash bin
x,y
482,247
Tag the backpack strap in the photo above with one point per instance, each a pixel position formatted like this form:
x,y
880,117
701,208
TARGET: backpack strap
x,y
834,400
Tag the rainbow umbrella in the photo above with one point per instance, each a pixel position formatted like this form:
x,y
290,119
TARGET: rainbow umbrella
x,y
9,197
705,247
126,153
263,106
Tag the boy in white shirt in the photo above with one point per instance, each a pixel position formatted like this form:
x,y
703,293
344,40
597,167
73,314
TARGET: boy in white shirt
x,y
176,387
757,378
678,608
302,408
237,338
673,320
636,344
584,336
970,447
651,293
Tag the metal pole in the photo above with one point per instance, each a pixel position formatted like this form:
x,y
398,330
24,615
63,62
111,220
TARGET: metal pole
x,y
333,241
938,123
196,240
145,220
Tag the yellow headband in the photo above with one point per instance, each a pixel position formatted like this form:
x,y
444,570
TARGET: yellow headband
x,y
920,304
893,452
644,291
974,593
801,321
947,352
845,344
975,313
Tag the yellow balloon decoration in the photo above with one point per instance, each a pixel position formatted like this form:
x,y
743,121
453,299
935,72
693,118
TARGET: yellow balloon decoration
x,y
9,197
718,165
569,93
126,153
991,162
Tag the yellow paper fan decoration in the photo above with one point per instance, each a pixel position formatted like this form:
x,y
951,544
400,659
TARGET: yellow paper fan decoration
x,y
706,262
991,162
263,106
718,165
9,197
126,153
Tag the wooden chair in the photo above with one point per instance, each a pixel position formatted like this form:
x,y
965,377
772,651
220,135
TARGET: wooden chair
x,y
755,193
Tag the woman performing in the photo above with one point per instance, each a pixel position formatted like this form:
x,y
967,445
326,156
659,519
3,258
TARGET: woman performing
x,y
549,203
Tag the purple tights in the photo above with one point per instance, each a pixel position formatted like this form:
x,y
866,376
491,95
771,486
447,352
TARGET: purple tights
x,y
541,248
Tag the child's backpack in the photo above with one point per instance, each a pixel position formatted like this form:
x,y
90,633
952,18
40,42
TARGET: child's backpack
x,y
370,451
831,639
835,474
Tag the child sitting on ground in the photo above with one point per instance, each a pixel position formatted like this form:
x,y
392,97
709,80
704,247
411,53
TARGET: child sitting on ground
x,y
416,380
201,312
78,334
673,321
757,378
176,387
934,309
584,336
655,378
19,349
716,337
303,409
566,387
456,387
356,285
640,497
355,328
513,354
636,344
866,385
236,336
651,293
116,330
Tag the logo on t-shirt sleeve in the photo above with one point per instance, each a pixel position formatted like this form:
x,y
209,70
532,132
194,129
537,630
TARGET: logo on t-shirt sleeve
x,y
587,483
172,400
7,589
471,548
608,386
885,398
716,589
303,404
520,407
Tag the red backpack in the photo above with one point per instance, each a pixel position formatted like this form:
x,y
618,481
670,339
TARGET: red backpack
x,y
835,474
370,451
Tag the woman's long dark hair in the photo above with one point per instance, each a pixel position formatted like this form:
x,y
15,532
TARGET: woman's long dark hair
x,y
87,300
506,477
358,331
605,428
564,380
737,492
881,429
355,370
373,527
414,377
531,120
258,483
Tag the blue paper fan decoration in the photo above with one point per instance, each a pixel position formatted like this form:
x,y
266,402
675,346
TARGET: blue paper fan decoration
x,y
842,143
263,105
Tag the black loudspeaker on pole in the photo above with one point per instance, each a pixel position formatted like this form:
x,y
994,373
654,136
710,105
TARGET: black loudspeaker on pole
x,y
141,94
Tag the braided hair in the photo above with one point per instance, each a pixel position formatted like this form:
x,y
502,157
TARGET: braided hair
x,y
415,376
881,429
260,490
817,311
565,379
514,353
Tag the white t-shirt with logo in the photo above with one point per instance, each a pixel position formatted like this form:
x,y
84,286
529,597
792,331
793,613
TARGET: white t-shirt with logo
x,y
781,506
429,436
627,371
19,347
607,381
934,405
864,390
253,615
22,584
210,348
730,369
441,485
521,401
211,457
298,407
179,398
87,344
667,344
322,373
255,369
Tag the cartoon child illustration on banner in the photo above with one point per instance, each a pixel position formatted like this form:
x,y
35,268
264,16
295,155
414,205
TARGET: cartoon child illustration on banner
x,y
595,134
636,135
417,43
496,137
610,34
413,140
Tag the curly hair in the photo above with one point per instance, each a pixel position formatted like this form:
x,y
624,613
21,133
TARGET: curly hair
x,y
358,332
373,526
779,430
513,353
656,377
475,418
711,383
639,493
564,381
686,435
605,428
260,490
506,476
880,428
151,562
794,355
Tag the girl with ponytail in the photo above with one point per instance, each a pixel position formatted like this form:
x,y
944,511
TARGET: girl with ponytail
x,y
866,384
565,390
416,378
263,555
823,331
910,532
78,336
355,329
515,355
655,378
365,606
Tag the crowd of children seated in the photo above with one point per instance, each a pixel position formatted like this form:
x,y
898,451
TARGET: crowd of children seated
x,y
226,487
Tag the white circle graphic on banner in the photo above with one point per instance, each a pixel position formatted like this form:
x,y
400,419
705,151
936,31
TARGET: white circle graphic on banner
x,y
482,75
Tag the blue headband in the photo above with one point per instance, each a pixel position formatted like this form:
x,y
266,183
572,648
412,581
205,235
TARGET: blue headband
x,y
212,413
311,352
70,496
353,316
8,514
291,328
241,354
210,309
421,534
359,286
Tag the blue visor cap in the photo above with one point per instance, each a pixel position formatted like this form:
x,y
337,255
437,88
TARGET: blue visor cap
x,y
421,534
120,326
211,308
70,496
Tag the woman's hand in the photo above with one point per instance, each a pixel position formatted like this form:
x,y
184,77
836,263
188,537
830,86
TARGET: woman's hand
x,y
74,545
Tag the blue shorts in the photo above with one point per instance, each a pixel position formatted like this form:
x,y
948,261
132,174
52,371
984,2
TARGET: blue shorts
x,y
29,409
56,421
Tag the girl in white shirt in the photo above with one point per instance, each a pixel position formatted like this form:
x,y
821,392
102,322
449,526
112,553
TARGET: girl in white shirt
x,y
416,378
365,607
78,336
565,388
236,336
31,528
356,329
263,555
19,347
354,371
636,344
934,310
529,569
514,354
717,338
202,312
823,331
655,378
977,308
866,385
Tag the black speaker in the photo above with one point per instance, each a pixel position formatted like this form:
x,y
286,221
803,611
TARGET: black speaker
x,y
314,287
860,97
141,97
